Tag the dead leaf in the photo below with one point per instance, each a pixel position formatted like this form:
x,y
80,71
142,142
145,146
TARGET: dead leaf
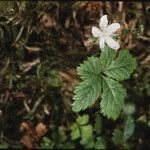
x,y
46,20
28,141
40,129
18,95
46,109
32,49
24,125
27,66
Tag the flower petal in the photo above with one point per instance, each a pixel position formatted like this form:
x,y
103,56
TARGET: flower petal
x,y
112,28
112,43
102,42
96,32
103,23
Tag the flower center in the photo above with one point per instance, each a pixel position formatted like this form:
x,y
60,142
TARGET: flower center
x,y
105,33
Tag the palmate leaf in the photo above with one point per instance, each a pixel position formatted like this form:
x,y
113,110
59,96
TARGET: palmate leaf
x,y
88,91
119,68
100,77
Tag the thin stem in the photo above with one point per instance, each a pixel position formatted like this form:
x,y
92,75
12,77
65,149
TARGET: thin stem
x,y
26,106
37,103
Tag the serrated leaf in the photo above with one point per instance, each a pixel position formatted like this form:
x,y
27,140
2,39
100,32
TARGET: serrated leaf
x,y
90,68
112,98
82,120
88,91
129,128
107,56
119,68
97,71
117,136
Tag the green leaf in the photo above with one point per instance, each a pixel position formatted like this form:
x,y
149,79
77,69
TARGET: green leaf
x,y
98,76
46,143
148,123
87,138
88,91
126,146
117,136
4,146
107,56
100,143
142,119
61,134
75,134
82,120
112,98
68,145
98,124
119,68
129,109
129,128
90,68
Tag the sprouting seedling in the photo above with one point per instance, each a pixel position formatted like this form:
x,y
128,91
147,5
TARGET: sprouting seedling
x,y
101,75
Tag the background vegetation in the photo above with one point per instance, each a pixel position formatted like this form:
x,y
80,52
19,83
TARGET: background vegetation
x,y
41,44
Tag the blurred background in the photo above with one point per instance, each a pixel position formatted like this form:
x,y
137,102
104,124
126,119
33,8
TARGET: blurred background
x,y
41,44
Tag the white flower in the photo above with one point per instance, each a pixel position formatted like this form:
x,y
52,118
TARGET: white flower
x,y
105,33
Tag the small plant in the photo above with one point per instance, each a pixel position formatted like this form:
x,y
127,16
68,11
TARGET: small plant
x,y
83,130
101,76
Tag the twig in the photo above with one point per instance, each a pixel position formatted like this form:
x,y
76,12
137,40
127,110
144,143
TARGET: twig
x,y
19,34
26,106
37,103
144,38
6,66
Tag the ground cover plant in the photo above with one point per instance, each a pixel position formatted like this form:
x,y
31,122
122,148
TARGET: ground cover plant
x,y
66,82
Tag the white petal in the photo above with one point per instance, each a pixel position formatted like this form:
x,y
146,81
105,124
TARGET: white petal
x,y
112,28
103,23
112,43
96,32
102,42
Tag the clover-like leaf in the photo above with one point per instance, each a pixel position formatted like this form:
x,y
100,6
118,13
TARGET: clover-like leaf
x,y
119,68
87,138
112,98
75,134
82,120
